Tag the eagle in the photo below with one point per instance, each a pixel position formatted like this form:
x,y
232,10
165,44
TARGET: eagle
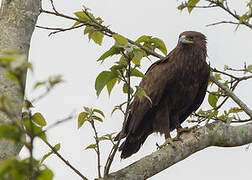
x,y
176,85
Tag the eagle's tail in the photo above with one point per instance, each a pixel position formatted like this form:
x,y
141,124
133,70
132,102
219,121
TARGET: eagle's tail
x,y
131,145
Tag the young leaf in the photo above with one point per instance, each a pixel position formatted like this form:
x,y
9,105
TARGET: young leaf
x,y
112,51
249,67
34,130
81,15
45,174
39,119
76,24
39,83
91,146
97,118
138,55
141,93
102,79
136,73
56,147
143,38
82,118
235,110
120,39
10,132
159,44
212,100
191,4
97,36
99,112
125,89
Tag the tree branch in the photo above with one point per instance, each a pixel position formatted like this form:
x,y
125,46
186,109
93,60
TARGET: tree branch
x,y
232,95
213,134
17,22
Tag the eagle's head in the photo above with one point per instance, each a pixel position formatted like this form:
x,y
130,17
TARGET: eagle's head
x,y
192,38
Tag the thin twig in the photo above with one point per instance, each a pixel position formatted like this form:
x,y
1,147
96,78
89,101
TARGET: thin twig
x,y
115,148
227,9
232,95
222,22
98,149
63,159
57,30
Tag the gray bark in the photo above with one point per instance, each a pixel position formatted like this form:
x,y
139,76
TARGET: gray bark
x,y
214,134
17,23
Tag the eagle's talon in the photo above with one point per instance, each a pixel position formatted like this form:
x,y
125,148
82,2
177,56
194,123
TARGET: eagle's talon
x,y
167,141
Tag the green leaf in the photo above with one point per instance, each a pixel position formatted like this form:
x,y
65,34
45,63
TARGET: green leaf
x,y
138,55
87,109
141,93
158,43
39,83
76,24
39,119
99,112
136,73
125,89
97,118
217,76
82,118
34,130
191,4
249,67
143,38
181,6
89,29
103,138
212,100
27,104
120,39
81,15
10,132
45,174
56,147
235,110
102,79
91,146
112,51
110,85
97,36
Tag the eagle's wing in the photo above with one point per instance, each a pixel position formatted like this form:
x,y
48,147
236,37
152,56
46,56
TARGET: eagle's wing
x,y
158,77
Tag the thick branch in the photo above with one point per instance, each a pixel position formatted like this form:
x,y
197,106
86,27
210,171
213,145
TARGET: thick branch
x,y
17,22
213,134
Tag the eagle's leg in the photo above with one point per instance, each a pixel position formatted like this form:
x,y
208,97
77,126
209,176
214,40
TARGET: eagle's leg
x,y
168,140
181,130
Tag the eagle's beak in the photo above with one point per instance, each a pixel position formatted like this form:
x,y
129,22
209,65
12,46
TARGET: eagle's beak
x,y
183,40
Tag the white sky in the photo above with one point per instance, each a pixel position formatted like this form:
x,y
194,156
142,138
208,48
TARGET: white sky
x,y
71,55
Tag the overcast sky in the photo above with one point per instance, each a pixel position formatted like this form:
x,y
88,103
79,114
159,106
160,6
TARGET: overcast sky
x,y
73,56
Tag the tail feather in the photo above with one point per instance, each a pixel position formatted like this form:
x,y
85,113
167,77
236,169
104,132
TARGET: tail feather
x,y
131,145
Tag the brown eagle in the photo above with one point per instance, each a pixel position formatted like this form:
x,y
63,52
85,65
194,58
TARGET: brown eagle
x,y
176,84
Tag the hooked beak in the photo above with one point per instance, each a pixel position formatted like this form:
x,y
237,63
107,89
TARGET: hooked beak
x,y
183,40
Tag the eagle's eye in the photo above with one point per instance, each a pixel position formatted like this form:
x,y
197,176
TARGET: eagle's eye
x,y
190,37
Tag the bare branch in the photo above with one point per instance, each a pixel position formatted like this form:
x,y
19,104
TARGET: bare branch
x,y
64,160
98,149
222,22
57,30
232,95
